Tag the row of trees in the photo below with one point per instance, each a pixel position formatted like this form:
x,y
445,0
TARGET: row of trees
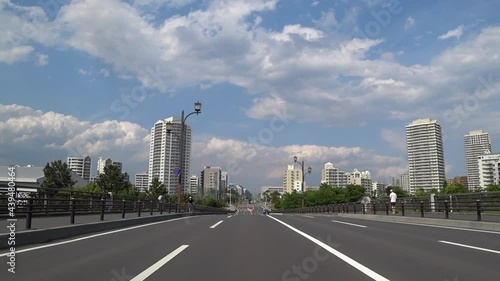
x,y
325,195
58,177
328,195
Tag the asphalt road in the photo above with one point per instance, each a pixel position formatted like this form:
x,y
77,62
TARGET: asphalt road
x,y
250,246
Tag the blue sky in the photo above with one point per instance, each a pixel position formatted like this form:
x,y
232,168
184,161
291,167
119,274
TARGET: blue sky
x,y
328,81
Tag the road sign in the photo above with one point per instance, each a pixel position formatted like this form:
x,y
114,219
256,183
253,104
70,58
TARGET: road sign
x,y
177,171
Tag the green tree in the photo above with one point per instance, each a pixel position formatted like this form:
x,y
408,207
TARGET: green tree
x,y
354,193
420,192
433,191
156,189
398,190
112,180
57,175
492,188
92,187
455,188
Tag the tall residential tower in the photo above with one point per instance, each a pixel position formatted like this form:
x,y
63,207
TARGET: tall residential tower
x,y
164,154
425,155
476,143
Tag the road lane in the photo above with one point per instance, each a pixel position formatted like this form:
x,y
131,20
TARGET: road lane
x,y
401,253
257,247
481,238
120,255
249,248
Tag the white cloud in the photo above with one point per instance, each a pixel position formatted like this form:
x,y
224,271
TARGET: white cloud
x,y
307,33
84,72
244,159
327,21
410,22
455,33
46,134
14,54
159,3
42,59
317,76
105,72
315,3
395,138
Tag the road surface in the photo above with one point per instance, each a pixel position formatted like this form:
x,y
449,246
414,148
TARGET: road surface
x,y
255,247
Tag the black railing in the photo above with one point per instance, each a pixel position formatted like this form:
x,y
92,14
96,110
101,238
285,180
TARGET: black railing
x,y
75,203
463,209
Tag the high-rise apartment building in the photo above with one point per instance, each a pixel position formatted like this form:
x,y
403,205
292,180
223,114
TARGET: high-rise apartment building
x,y
363,179
476,143
142,181
425,155
211,179
194,185
104,162
164,154
489,173
333,176
405,182
224,180
81,166
292,175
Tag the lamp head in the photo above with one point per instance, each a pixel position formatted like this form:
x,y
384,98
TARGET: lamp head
x,y
197,107
169,127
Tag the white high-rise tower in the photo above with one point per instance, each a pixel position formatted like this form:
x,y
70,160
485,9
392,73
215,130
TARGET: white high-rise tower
x,y
476,143
425,155
164,154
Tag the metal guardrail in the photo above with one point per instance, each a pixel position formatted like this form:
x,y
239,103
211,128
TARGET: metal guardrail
x,y
442,208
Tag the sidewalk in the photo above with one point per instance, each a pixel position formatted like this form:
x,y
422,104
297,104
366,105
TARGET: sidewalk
x,y
479,225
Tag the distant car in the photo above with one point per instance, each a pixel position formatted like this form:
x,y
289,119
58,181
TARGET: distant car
x,y
266,212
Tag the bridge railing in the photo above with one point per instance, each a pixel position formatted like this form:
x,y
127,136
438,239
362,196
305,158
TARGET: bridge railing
x,y
75,203
465,209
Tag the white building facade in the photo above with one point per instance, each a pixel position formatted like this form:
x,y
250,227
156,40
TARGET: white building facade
x,y
141,181
425,155
489,169
164,154
476,144
333,176
81,166
290,179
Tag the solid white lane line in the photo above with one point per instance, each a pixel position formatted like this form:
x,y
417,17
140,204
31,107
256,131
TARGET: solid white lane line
x,y
215,225
437,226
353,224
93,236
471,247
370,273
146,273
229,217
308,216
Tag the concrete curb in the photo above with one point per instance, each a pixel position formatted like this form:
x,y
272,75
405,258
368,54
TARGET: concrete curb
x,y
491,226
27,237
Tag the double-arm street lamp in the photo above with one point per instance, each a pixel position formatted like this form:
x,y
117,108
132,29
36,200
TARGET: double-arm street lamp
x,y
197,110
303,174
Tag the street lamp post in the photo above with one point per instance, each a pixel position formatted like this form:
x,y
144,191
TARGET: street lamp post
x,y
303,176
197,110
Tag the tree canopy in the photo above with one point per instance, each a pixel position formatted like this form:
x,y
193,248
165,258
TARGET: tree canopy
x,y
57,175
